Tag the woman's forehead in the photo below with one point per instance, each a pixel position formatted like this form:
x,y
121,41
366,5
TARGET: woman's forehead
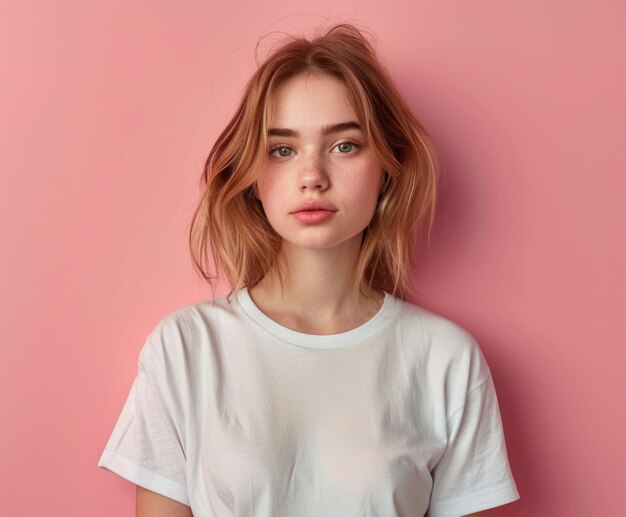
x,y
310,102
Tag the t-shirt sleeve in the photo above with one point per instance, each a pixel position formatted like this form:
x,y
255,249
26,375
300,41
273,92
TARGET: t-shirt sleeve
x,y
146,446
473,473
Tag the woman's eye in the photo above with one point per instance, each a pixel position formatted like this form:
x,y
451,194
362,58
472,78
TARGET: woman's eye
x,y
346,147
282,150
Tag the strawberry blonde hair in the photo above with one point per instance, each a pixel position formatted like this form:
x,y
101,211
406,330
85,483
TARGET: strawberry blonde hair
x,y
230,220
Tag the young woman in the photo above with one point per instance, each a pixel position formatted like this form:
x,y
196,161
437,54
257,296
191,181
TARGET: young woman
x,y
314,388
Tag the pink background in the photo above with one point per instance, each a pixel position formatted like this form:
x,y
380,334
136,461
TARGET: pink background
x,y
107,112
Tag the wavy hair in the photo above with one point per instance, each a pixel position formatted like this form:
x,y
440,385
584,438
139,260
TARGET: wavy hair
x,y
230,222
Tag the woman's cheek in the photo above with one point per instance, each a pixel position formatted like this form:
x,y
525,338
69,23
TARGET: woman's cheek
x,y
267,185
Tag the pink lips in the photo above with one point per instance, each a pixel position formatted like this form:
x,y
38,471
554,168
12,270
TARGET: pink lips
x,y
313,211
312,216
312,204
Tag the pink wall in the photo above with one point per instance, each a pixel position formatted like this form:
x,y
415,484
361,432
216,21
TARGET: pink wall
x,y
107,112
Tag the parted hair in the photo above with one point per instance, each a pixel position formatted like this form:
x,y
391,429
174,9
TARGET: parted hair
x,y
229,227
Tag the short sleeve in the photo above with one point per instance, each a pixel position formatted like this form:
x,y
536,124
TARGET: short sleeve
x,y
473,473
145,446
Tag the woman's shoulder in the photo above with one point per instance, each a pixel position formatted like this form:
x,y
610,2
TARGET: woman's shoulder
x,y
433,325
441,341
184,330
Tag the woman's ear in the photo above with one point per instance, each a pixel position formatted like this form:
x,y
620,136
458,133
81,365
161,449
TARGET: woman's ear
x,y
255,191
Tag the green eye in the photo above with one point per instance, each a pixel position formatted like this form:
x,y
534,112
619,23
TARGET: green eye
x,y
284,151
345,147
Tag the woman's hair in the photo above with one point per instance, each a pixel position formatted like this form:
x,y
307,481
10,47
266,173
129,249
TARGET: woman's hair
x,y
230,220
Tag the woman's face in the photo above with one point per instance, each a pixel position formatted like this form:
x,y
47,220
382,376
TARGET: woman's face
x,y
309,162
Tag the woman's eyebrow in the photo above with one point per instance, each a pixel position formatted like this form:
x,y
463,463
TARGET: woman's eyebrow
x,y
326,130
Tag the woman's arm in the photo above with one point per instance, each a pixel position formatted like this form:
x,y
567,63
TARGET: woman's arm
x,y
151,504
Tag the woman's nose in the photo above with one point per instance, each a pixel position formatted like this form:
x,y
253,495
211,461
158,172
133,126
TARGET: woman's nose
x,y
313,174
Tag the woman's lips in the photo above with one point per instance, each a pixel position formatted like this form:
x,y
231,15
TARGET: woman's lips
x,y
312,216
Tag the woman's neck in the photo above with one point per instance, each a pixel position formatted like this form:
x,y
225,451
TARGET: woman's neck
x,y
317,295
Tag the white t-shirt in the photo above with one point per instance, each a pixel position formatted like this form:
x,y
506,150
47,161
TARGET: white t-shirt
x,y
233,414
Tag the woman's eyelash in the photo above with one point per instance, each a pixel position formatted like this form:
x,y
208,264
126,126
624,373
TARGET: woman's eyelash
x,y
277,147
352,142
281,146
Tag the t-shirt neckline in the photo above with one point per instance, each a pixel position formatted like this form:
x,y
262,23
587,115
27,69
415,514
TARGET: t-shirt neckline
x,y
325,341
